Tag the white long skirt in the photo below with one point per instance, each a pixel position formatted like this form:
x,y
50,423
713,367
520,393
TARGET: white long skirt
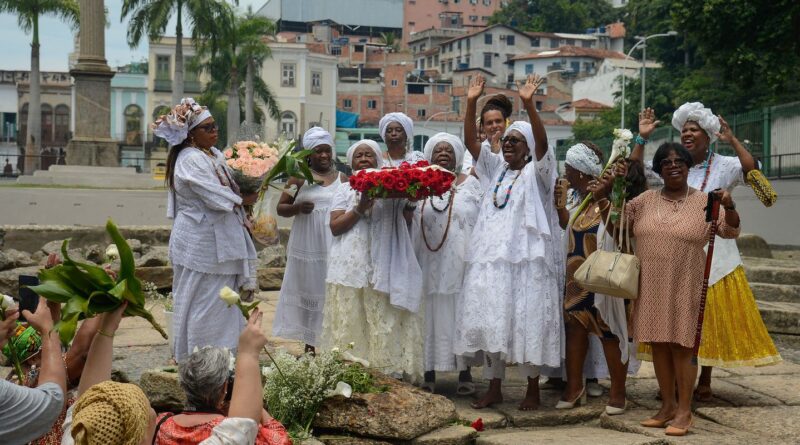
x,y
302,299
513,309
440,327
388,337
200,318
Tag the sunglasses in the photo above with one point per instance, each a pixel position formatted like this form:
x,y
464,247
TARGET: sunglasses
x,y
672,163
511,140
209,128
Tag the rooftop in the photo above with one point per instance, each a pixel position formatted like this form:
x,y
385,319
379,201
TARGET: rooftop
x,y
572,51
587,104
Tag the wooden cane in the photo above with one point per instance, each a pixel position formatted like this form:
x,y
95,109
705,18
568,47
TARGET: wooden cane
x,y
712,213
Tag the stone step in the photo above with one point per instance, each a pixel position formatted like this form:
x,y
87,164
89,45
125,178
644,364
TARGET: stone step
x,y
776,292
780,317
772,275
87,169
572,435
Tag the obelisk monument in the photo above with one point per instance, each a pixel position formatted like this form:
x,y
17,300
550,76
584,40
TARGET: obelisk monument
x,y
92,144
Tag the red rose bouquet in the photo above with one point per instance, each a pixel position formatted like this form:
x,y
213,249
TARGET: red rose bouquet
x,y
417,181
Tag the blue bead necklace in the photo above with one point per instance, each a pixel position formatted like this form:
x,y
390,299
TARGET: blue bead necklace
x,y
508,192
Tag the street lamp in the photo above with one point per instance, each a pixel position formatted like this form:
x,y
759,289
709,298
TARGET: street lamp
x,y
641,41
425,125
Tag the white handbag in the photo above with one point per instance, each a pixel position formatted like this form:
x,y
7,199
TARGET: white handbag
x,y
611,273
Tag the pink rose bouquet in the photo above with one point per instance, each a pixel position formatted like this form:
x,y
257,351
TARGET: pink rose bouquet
x,y
251,162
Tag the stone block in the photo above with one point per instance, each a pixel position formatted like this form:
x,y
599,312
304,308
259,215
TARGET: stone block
x,y
576,435
452,435
753,246
771,274
272,256
155,256
12,259
772,424
780,318
702,432
492,419
270,278
401,413
776,292
781,368
726,393
160,276
331,439
163,389
785,388
9,279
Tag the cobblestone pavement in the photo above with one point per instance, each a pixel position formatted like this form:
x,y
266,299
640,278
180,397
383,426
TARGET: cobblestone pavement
x,y
751,405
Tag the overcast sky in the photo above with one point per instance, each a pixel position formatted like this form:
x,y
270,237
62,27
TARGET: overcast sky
x,y
57,41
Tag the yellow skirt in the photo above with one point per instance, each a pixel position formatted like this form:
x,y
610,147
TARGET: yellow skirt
x,y
733,331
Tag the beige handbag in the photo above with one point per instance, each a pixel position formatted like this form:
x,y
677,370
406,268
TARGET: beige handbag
x,y
611,273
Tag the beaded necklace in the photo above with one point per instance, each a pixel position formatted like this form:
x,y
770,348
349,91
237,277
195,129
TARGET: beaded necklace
x,y
508,192
446,228
449,201
707,166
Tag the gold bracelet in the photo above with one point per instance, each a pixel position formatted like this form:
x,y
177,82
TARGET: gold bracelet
x,y
100,331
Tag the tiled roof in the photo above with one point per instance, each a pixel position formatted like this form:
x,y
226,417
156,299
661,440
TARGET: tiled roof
x,y
572,51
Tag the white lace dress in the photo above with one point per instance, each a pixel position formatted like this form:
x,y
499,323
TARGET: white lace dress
x,y
443,270
299,312
511,296
389,337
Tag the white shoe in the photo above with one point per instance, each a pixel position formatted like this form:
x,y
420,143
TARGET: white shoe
x,y
614,411
580,400
593,389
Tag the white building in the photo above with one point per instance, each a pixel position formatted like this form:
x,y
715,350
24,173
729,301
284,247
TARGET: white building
x,y
607,82
576,62
304,84
161,69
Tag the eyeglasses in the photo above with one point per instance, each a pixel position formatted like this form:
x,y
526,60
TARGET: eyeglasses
x,y
209,128
511,140
672,163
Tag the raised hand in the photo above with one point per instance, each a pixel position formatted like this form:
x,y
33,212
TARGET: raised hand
x,y
476,88
529,88
647,122
725,134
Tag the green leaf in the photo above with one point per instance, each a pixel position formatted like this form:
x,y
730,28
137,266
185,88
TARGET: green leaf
x,y
127,270
66,329
76,306
54,291
101,302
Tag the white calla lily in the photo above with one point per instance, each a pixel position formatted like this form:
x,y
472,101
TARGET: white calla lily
x,y
342,389
346,355
229,296
112,251
6,302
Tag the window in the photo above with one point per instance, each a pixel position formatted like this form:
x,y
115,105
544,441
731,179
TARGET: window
x,y
458,44
473,2
416,88
287,74
570,42
133,125
411,24
422,47
575,67
487,60
456,105
358,48
485,18
510,40
421,112
288,124
587,43
473,18
316,82
441,88
394,82
372,104
488,3
450,65
435,59
162,67
189,75
336,50
536,42
454,20
539,105
466,61
528,68
553,43
467,40
487,39
347,103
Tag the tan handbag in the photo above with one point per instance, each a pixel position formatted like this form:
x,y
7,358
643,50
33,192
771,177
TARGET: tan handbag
x,y
611,273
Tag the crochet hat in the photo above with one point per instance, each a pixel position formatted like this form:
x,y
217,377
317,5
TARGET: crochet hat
x,y
110,413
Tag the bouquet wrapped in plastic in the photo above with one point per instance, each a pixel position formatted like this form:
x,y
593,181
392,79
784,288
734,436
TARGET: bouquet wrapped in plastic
x,y
419,180
251,161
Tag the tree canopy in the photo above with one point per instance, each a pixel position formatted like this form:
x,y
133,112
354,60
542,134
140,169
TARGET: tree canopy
x,y
570,16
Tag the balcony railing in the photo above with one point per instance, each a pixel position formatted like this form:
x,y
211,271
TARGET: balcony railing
x,y
192,86
163,85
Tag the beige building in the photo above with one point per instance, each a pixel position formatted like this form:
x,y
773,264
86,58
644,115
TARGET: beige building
x,y
161,63
304,84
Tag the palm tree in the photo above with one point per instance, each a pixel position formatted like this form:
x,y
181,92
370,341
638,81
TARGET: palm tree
x,y
150,17
389,39
239,49
28,12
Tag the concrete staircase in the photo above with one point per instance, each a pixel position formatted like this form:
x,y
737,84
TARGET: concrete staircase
x,y
776,286
89,176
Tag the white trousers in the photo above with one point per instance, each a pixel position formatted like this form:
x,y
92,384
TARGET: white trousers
x,y
495,368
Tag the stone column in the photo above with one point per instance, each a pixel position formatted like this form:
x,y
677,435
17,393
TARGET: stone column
x,y
91,143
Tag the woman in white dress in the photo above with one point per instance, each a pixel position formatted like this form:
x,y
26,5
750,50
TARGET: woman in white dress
x,y
374,283
397,132
446,224
299,312
511,296
209,246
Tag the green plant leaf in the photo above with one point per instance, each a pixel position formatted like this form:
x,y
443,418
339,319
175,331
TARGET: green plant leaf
x,y
94,276
100,302
127,269
54,291
144,313
66,329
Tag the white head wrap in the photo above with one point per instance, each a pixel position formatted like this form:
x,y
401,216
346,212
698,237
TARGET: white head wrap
x,y
372,144
174,126
526,130
453,141
697,112
316,136
400,118
584,159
